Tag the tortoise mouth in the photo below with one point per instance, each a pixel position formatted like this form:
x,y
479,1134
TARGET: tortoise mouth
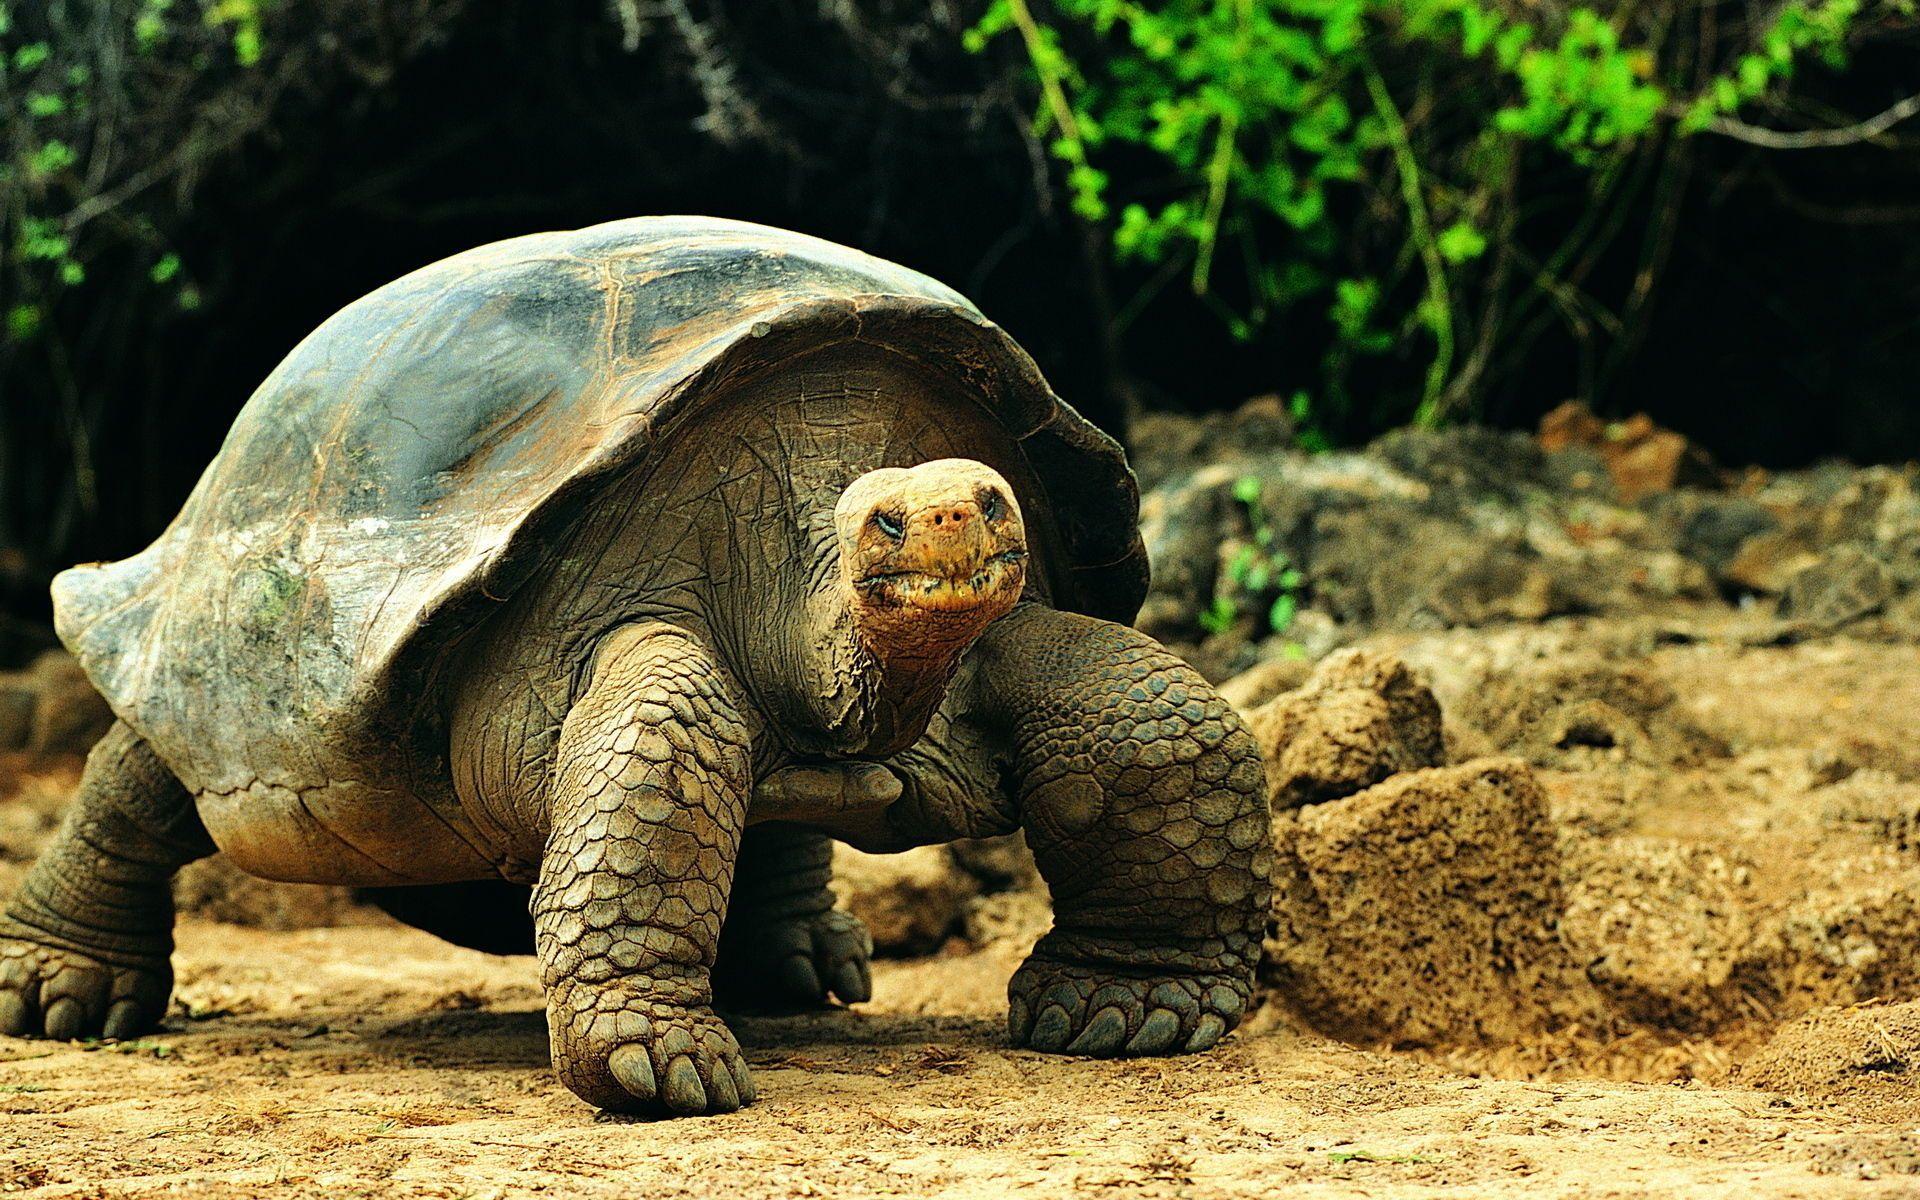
x,y
986,583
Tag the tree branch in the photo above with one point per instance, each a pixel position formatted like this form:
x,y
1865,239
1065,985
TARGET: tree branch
x,y
1815,139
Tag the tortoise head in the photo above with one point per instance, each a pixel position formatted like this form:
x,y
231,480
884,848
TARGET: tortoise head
x,y
931,555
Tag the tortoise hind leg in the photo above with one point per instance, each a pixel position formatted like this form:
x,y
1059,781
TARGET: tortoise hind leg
x,y
785,945
86,944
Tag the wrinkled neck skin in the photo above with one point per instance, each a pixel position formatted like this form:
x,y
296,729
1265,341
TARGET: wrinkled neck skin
x,y
844,698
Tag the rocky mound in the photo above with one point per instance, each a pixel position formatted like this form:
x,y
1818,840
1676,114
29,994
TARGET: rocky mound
x,y
1359,718
1470,527
1569,896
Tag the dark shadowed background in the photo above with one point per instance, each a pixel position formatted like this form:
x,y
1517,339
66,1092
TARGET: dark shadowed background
x,y
1784,326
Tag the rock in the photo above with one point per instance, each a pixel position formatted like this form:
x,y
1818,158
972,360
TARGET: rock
x,y
1566,711
1257,685
1646,459
1570,424
1842,585
1765,562
1186,521
1426,910
1165,445
1467,464
1872,802
1661,926
1642,458
1711,527
1397,568
1841,945
50,709
1011,921
911,902
999,863
1833,1051
218,891
17,702
1361,717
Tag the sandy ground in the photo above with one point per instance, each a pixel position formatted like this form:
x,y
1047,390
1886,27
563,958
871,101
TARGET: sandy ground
x,y
1746,853
379,1061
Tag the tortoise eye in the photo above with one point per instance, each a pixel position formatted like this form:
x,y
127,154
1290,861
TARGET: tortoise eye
x,y
888,524
991,505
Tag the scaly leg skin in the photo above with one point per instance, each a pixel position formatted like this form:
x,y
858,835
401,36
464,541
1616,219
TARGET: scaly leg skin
x,y
86,945
785,945
1143,799
648,803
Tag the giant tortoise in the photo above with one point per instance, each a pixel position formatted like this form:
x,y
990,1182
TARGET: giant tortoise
x,y
622,569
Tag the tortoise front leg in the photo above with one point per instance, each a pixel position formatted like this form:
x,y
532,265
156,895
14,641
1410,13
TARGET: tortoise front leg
x,y
649,799
1143,799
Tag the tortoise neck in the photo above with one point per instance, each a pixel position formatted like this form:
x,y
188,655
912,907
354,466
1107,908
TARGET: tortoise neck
x,y
832,693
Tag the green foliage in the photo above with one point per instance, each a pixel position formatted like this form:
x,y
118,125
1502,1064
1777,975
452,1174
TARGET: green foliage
x,y
60,202
1356,161
1259,572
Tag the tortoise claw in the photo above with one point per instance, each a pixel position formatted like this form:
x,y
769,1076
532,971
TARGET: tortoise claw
x,y
1083,1011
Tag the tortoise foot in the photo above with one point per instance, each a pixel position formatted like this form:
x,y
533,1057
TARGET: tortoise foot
x,y
636,1054
49,990
1069,1008
796,963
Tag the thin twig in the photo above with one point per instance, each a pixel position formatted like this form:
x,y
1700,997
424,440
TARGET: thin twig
x,y
1440,299
1050,89
1817,139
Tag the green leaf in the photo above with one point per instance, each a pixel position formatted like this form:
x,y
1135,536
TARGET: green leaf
x,y
23,321
1241,564
52,157
1219,616
1460,242
1280,616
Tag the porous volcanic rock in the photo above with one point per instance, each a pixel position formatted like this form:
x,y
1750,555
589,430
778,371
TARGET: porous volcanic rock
x,y
1835,1050
216,890
1857,940
1660,926
1361,716
1643,458
1842,585
1567,711
1426,911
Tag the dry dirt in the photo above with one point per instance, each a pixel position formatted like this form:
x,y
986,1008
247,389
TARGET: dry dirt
x,y
375,1061
1722,850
